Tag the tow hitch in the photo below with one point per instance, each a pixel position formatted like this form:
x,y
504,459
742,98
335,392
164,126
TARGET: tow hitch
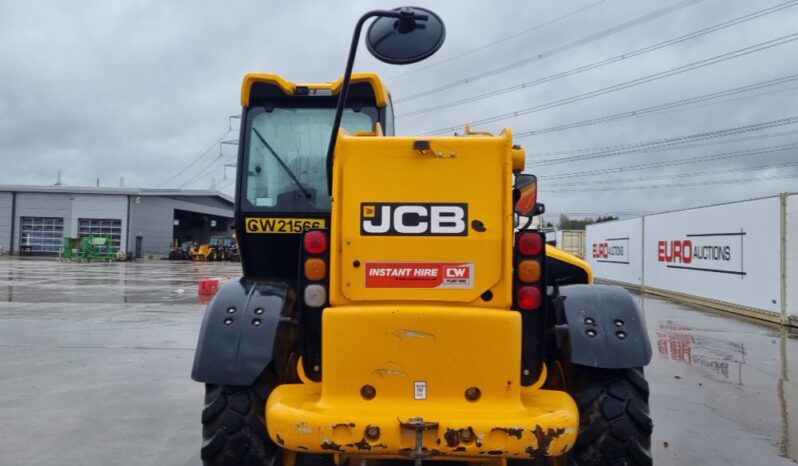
x,y
417,426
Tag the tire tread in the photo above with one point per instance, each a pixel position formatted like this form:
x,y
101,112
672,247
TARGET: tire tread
x,y
615,425
233,427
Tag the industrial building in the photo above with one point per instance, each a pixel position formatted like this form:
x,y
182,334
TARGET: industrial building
x,y
34,220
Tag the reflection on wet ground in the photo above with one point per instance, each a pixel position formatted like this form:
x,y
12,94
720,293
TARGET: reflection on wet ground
x,y
43,281
95,362
723,389
720,359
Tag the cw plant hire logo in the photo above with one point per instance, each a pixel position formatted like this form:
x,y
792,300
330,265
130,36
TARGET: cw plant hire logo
x,y
704,252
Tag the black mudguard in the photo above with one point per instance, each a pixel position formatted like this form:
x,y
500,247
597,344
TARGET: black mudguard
x,y
236,340
603,327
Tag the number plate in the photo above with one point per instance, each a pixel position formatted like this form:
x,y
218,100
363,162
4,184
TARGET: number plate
x,y
282,225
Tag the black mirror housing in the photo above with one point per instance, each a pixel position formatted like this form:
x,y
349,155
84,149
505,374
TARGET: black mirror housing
x,y
414,35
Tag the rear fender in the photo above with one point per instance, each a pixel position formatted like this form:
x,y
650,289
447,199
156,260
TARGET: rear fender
x,y
602,326
236,340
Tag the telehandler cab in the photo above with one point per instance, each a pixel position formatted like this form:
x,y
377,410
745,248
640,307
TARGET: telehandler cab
x,y
393,304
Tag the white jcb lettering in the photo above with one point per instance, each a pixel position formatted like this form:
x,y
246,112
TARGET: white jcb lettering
x,y
414,219
398,219
385,215
447,220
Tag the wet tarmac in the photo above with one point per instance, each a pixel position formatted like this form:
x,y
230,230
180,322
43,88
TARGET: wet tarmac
x,y
95,362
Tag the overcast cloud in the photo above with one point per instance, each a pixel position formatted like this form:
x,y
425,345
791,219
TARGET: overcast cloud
x,y
99,89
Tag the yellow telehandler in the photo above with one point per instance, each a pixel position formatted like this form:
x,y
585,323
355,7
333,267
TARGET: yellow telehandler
x,y
394,304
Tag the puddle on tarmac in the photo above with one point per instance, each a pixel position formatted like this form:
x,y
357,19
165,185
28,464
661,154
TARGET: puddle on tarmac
x,y
52,281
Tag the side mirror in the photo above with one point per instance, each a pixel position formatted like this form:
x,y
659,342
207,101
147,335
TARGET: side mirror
x,y
414,35
526,194
399,37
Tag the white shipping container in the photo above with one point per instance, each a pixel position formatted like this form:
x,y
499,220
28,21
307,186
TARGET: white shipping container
x,y
572,242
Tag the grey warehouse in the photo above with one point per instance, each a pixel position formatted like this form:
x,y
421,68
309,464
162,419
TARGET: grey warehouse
x,y
34,220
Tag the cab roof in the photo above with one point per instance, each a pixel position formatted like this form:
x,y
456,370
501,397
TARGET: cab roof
x,y
285,87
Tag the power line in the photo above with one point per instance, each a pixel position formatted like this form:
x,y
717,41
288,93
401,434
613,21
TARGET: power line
x,y
586,40
491,44
209,169
613,151
710,143
635,82
658,142
196,158
677,185
587,214
678,162
673,175
672,106
617,58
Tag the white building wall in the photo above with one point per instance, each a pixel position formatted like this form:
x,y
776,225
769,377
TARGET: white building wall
x,y
791,255
615,250
729,253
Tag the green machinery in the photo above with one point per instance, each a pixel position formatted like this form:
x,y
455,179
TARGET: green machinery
x,y
90,249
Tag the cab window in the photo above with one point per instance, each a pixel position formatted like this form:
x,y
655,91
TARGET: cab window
x,y
286,155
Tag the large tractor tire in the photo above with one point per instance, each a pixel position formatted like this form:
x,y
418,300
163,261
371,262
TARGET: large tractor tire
x,y
614,422
233,428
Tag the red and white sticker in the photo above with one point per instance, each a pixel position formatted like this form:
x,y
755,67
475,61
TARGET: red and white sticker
x,y
420,275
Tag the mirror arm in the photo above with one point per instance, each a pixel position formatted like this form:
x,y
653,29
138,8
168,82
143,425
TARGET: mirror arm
x,y
339,109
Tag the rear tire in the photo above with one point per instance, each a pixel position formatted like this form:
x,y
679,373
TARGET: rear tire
x,y
233,427
614,422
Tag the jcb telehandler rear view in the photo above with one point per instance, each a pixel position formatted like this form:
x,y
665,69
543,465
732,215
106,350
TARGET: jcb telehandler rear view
x,y
394,306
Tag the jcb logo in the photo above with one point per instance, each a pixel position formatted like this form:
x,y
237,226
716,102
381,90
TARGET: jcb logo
x,y
396,219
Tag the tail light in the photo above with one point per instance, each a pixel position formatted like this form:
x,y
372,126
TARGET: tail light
x,y
314,296
529,286
530,271
530,277
529,298
314,269
315,242
530,243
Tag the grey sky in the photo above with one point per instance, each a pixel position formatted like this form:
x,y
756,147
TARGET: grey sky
x,y
101,89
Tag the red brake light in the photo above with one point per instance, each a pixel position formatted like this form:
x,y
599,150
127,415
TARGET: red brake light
x,y
315,242
530,244
528,298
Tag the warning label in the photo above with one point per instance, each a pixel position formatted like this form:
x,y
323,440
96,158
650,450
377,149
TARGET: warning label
x,y
420,275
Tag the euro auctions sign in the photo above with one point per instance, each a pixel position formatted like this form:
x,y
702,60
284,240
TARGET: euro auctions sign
x,y
611,250
720,252
727,253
